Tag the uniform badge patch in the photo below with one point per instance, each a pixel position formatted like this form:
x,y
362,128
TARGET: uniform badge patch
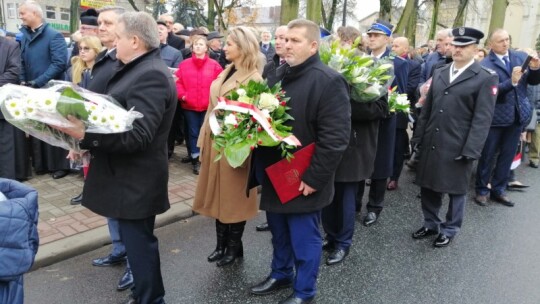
x,y
494,90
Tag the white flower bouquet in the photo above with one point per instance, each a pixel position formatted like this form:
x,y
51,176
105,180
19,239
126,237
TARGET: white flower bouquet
x,y
35,110
252,115
368,79
398,102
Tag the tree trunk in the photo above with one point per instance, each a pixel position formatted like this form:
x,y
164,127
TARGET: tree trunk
x,y
403,23
498,12
460,17
410,32
75,16
314,11
219,12
344,20
289,10
211,16
384,12
434,19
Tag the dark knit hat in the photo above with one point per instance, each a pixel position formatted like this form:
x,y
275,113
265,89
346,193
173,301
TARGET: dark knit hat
x,y
89,17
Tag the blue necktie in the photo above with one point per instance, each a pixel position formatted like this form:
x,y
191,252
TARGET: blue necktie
x,y
507,63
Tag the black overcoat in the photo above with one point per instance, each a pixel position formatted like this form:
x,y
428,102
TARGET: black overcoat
x,y
319,102
359,159
128,175
454,121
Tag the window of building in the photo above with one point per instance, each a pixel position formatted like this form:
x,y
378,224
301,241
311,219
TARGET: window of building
x,y
50,12
64,14
12,10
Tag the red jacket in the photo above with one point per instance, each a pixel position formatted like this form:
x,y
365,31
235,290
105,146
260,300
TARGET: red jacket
x,y
193,85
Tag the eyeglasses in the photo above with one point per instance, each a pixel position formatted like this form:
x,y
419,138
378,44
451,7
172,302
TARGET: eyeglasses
x,y
84,48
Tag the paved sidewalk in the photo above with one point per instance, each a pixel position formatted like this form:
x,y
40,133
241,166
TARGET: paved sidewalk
x,y
66,230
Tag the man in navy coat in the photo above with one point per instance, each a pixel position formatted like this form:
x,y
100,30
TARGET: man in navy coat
x,y
512,114
379,37
43,58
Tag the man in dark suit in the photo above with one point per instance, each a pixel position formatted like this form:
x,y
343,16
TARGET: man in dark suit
x,y
172,40
43,57
266,47
512,114
14,158
400,46
129,170
437,56
450,134
379,36
319,102
102,72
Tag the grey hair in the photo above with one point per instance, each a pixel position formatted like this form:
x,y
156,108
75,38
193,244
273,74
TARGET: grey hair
x,y
117,9
446,32
33,6
142,25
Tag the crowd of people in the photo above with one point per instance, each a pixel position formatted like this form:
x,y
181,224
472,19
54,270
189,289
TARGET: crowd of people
x,y
469,105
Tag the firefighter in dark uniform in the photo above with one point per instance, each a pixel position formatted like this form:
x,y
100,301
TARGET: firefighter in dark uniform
x,y
452,129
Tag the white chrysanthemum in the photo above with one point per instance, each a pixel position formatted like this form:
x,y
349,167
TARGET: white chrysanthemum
x,y
95,118
44,101
118,126
90,107
241,92
15,109
230,120
268,102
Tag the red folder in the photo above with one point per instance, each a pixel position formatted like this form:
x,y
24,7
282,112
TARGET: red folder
x,y
286,176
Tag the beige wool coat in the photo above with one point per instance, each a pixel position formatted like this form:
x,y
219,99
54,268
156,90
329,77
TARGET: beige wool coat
x,y
221,189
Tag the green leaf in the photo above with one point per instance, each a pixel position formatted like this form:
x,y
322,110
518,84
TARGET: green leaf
x,y
266,140
238,153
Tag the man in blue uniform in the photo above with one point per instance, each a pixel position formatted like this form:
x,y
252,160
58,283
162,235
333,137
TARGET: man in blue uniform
x,y
379,37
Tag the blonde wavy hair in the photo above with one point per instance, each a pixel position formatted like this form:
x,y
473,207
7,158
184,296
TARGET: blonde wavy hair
x,y
248,45
77,64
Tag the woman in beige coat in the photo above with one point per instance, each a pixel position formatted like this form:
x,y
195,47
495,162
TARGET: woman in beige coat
x,y
221,189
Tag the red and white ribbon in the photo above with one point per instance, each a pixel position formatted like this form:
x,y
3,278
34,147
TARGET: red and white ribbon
x,y
253,111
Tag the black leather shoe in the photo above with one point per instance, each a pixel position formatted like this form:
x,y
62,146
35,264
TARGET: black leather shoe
x,y
423,233
185,160
59,174
269,285
295,300
263,227
533,165
370,219
481,200
126,281
109,260
327,245
77,200
337,256
442,240
502,199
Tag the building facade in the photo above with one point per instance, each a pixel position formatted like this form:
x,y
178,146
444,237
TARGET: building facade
x,y
55,12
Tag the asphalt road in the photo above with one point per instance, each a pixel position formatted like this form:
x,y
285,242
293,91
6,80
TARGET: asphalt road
x,y
495,259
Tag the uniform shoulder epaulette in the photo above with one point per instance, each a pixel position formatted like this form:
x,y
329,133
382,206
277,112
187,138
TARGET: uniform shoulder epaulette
x,y
489,70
